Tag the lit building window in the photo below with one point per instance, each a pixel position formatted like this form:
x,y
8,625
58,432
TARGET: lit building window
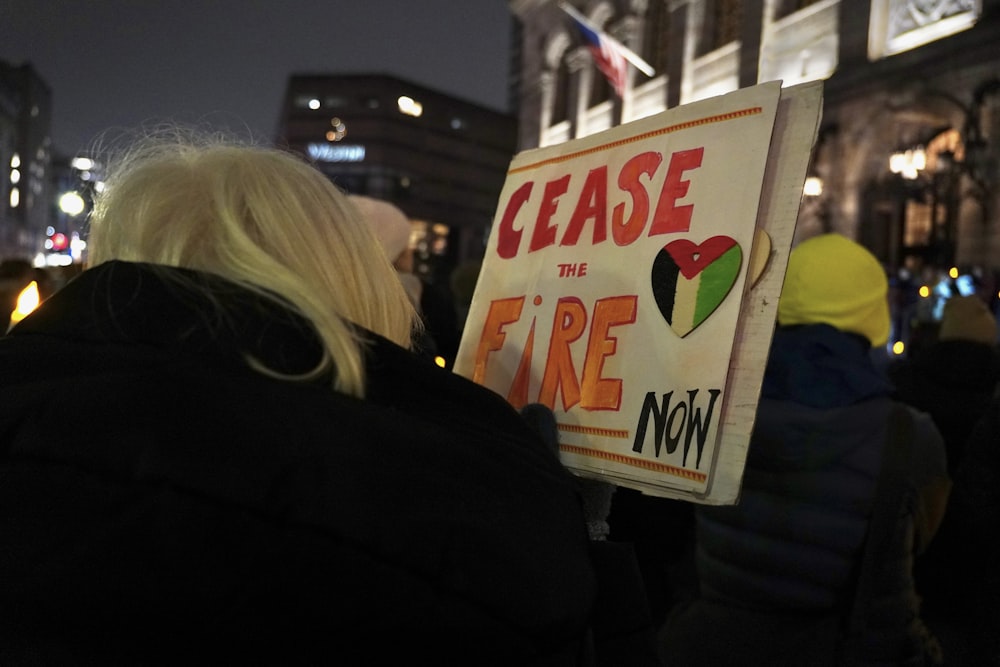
x,y
339,130
409,106
901,25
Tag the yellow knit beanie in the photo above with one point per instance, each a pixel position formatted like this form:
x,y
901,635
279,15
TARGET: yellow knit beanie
x,y
833,280
968,318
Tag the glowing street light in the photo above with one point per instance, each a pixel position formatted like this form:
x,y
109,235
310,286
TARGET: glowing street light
x,y
71,203
27,301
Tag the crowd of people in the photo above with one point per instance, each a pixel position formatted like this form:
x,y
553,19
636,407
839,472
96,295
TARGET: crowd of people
x,y
227,441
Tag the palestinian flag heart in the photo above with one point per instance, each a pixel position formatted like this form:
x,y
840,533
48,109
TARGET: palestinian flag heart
x,y
690,280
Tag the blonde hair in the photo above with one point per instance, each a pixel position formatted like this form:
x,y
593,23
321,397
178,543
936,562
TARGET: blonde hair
x,y
263,218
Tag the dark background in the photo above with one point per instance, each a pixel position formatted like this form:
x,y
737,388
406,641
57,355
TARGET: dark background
x,y
121,63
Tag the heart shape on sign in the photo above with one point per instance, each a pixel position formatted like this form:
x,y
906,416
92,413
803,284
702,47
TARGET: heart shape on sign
x,y
690,280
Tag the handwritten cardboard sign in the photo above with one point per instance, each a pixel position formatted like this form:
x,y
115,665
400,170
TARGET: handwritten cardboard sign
x,y
615,284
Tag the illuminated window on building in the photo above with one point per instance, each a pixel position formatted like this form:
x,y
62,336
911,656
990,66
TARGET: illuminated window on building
x,y
657,35
600,89
786,7
901,25
918,223
560,102
722,23
429,241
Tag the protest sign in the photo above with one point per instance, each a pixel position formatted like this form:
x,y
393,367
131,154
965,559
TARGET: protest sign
x,y
630,283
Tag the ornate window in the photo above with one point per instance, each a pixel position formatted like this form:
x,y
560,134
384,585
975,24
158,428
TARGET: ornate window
x,y
901,25
657,37
786,7
560,97
723,23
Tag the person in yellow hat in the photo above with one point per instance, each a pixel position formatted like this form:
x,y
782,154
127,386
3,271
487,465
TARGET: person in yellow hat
x,y
778,572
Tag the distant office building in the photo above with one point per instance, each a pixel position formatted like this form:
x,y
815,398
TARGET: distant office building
x,y
906,160
440,159
25,161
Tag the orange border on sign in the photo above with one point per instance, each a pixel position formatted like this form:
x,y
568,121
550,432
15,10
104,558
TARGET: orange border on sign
x,y
634,462
741,113
594,430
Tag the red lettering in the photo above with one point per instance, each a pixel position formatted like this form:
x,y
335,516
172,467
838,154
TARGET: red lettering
x,y
593,203
625,232
508,238
669,217
544,234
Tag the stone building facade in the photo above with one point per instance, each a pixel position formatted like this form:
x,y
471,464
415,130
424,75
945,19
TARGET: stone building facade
x,y
913,83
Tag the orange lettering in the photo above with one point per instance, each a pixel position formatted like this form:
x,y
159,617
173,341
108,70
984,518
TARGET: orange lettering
x,y
518,394
604,393
568,325
502,312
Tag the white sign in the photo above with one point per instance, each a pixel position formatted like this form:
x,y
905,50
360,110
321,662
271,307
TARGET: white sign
x,y
615,287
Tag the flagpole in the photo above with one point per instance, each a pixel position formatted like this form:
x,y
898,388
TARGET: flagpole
x,y
627,53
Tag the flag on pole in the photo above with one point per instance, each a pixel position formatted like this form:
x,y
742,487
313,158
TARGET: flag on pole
x,y
610,56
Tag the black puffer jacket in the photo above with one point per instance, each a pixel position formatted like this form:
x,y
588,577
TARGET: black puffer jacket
x,y
160,502
953,381
789,549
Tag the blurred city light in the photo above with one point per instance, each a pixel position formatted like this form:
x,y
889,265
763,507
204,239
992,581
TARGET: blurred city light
x,y
71,203
925,291
410,106
908,163
82,163
813,186
898,347
27,301
953,272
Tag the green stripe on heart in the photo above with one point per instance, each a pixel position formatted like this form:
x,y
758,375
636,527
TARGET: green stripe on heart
x,y
690,280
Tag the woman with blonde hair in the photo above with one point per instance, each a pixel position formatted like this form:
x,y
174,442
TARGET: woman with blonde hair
x,y
215,445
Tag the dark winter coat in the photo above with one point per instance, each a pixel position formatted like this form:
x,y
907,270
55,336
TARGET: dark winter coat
x,y
953,381
790,548
161,502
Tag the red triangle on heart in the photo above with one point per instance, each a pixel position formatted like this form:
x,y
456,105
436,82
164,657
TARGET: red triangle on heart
x,y
692,258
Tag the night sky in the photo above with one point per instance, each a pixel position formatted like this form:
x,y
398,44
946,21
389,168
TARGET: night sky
x,y
119,63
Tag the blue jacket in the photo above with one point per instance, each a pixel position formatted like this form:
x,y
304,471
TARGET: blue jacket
x,y
793,542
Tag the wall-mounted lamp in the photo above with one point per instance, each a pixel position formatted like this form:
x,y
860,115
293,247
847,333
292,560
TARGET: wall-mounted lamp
x,y
813,187
908,163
